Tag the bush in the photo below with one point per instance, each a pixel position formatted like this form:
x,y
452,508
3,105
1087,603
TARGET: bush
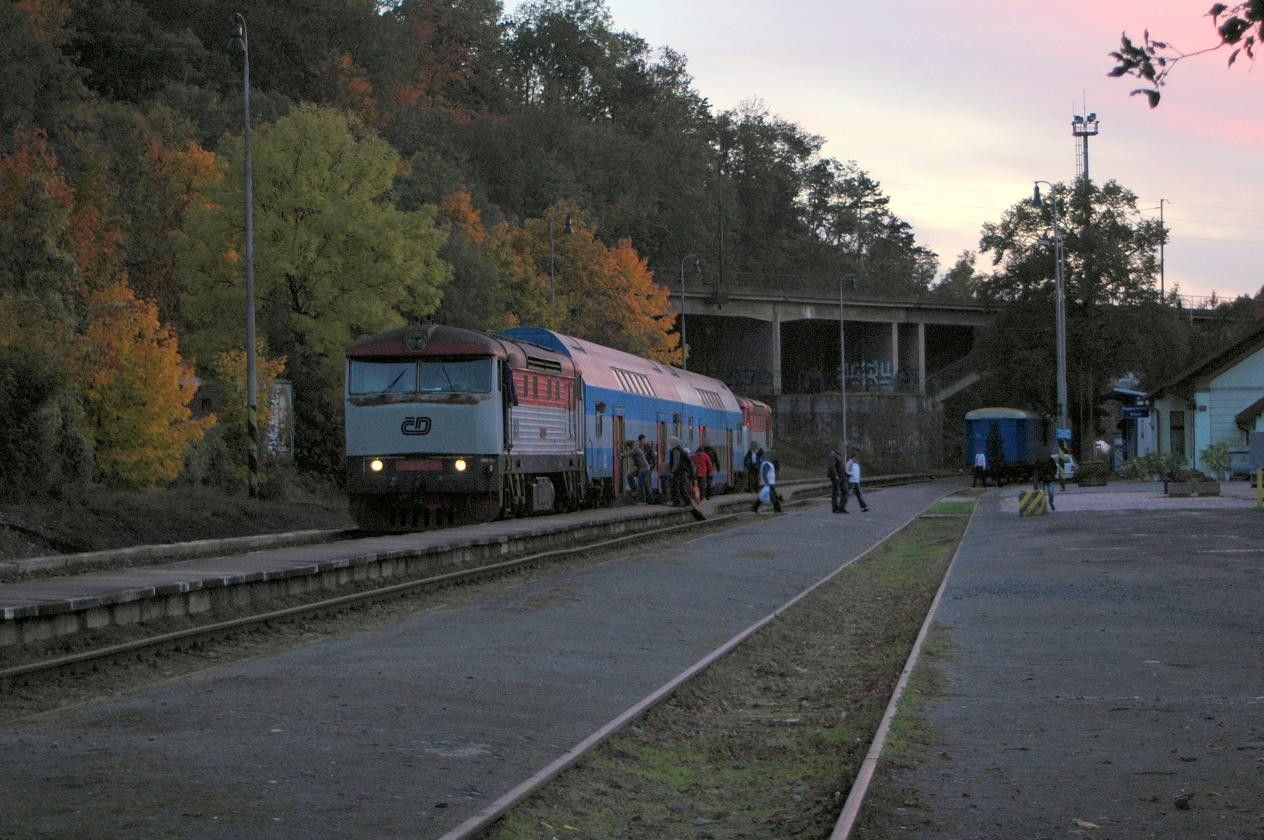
x,y
1216,458
208,463
1092,472
44,451
1143,467
1170,464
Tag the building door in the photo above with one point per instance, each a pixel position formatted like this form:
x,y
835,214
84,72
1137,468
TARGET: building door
x,y
1176,430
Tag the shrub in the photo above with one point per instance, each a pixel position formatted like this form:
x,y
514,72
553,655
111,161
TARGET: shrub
x,y
44,451
1092,472
1143,467
1216,458
1170,464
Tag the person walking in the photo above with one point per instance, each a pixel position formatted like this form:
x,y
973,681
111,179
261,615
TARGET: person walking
x,y
704,468
980,469
853,482
1046,472
751,465
644,474
681,474
836,473
768,482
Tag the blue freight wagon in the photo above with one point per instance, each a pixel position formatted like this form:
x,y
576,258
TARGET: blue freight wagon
x,y
1010,437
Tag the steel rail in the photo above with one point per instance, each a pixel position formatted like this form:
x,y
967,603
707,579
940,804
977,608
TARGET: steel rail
x,y
480,821
338,602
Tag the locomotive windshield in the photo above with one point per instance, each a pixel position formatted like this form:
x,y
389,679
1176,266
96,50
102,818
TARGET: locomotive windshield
x,y
450,376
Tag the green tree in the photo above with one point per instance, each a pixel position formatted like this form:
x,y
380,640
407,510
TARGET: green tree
x,y
334,257
960,282
1111,300
1240,26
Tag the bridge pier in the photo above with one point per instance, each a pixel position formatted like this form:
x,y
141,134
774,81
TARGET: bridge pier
x,y
775,341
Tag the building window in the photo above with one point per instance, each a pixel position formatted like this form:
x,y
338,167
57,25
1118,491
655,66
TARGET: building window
x,y
1176,428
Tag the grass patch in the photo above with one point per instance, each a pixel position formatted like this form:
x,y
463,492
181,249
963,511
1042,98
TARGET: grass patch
x,y
767,742
953,505
891,805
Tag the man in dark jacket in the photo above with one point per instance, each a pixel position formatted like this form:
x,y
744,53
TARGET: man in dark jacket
x,y
751,465
836,473
681,474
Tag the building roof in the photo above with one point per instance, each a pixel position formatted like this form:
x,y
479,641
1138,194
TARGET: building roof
x,y
1226,356
1245,419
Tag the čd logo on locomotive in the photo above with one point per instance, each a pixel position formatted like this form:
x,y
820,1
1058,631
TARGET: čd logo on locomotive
x,y
415,426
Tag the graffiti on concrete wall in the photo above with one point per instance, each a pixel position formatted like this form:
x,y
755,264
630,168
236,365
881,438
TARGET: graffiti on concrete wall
x,y
873,376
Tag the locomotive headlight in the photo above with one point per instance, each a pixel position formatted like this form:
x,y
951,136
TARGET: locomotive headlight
x,y
460,464
376,465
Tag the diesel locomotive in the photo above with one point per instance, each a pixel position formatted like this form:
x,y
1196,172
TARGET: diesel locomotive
x,y
446,425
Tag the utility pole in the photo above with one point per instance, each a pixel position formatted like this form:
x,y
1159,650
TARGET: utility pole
x,y
1059,301
239,42
1162,241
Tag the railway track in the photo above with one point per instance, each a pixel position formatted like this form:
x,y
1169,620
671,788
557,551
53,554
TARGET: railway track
x,y
191,638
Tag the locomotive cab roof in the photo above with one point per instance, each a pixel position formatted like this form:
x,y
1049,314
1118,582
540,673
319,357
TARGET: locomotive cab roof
x,y
443,341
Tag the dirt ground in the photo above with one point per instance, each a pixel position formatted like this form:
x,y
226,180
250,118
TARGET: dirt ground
x,y
104,519
766,743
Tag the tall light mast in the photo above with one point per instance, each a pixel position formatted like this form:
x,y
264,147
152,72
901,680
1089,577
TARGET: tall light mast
x,y
1082,128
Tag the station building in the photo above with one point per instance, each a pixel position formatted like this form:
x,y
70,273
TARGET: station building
x,y
1219,399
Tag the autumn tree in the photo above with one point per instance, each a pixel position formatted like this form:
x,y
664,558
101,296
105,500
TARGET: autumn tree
x,y
334,258
603,294
136,390
475,297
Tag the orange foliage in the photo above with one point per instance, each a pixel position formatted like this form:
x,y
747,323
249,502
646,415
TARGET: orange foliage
x,y
458,208
51,243
136,390
48,17
443,63
355,91
603,294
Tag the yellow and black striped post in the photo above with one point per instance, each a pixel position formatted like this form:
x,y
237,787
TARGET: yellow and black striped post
x,y
1032,503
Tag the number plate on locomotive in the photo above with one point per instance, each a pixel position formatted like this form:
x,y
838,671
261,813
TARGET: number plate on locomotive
x,y
419,465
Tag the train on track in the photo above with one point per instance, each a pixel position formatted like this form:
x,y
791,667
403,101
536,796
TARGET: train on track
x,y
1011,438
448,426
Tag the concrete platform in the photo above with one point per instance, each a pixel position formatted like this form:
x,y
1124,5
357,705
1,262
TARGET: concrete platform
x,y
1106,673
48,607
406,731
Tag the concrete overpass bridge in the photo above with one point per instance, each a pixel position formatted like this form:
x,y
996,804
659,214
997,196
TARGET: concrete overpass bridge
x,y
768,342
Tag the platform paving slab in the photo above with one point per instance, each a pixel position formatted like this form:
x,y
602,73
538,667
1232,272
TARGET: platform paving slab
x,y
1106,674
409,730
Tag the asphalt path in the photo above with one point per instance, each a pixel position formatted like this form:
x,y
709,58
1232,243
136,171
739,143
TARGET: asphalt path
x,y
1107,673
408,731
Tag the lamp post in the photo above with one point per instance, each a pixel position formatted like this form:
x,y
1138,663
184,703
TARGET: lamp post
x,y
684,348
844,280
240,43
1059,300
566,228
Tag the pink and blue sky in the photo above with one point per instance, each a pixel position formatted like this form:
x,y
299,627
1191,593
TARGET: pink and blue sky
x,y
956,107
